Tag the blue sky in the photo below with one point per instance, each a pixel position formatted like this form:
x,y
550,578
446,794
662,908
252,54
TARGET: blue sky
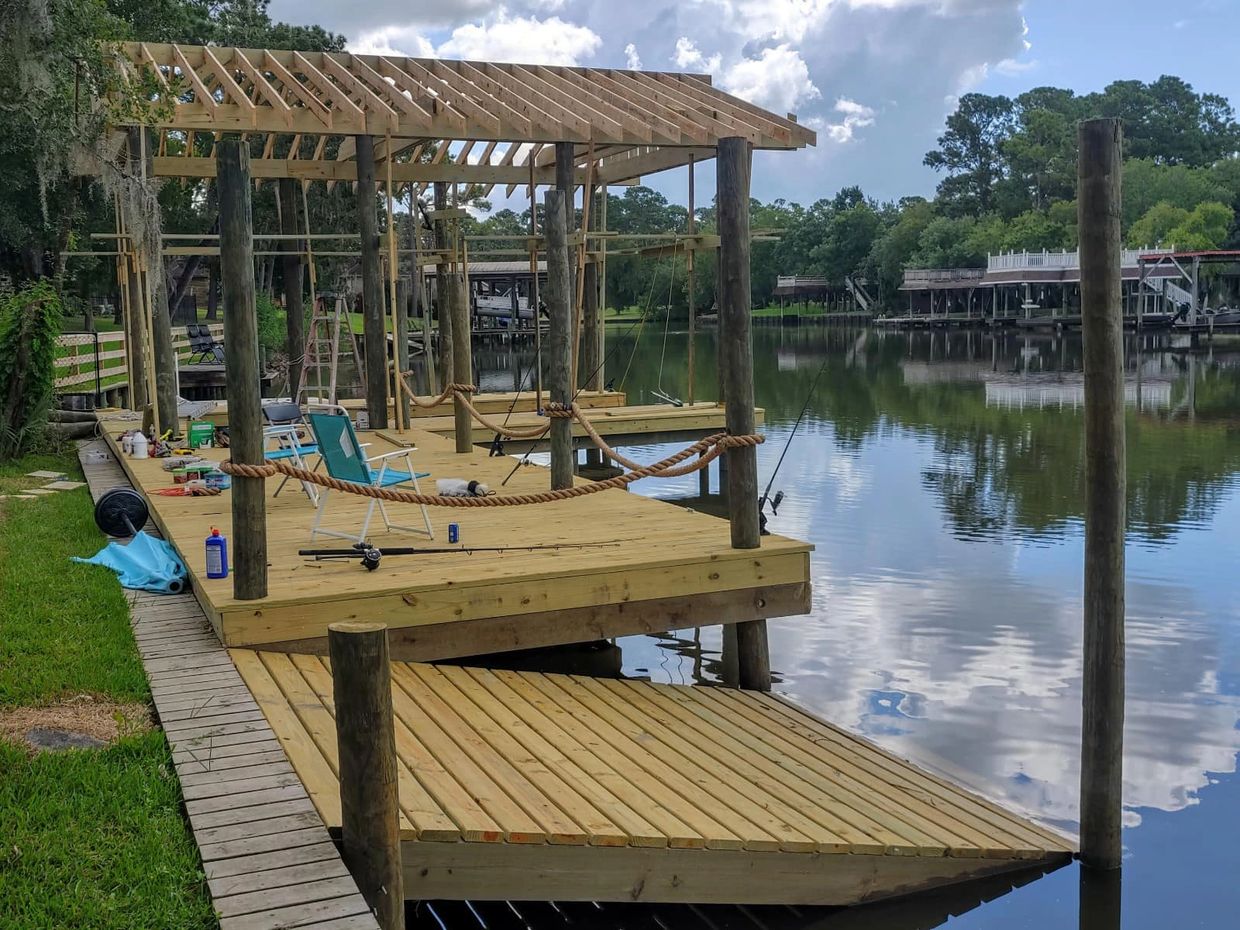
x,y
875,78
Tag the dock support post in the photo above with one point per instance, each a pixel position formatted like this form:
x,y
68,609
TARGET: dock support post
x,y
366,742
373,335
736,385
559,304
1102,737
462,348
241,377
294,306
443,285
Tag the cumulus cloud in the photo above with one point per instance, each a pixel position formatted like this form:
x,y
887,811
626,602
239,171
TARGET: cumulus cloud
x,y
632,60
777,79
504,37
524,39
688,57
855,116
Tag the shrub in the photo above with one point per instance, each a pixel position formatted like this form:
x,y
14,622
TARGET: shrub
x,y
29,324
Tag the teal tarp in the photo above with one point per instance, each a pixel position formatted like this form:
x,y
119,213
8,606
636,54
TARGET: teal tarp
x,y
146,563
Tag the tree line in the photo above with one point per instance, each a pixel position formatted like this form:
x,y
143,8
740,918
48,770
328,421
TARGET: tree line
x,y
1008,183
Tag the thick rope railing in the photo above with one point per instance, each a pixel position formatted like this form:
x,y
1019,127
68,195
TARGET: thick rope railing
x,y
707,450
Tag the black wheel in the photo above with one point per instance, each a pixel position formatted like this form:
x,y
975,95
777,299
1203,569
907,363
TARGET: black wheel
x,y
121,512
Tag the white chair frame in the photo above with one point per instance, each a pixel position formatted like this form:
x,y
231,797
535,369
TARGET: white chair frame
x,y
382,461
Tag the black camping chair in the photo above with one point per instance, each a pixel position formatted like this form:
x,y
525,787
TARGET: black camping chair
x,y
202,344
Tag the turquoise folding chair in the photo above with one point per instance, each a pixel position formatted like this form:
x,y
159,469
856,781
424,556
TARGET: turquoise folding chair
x,y
344,459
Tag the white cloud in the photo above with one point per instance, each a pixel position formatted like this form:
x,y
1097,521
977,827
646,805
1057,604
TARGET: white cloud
x,y
688,57
1011,67
632,60
855,116
522,39
525,39
777,79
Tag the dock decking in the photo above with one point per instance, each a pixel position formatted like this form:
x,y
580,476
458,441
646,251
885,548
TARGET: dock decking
x,y
527,786
489,403
646,566
627,425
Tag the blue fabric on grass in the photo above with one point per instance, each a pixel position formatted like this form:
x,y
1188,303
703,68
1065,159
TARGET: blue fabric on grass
x,y
146,563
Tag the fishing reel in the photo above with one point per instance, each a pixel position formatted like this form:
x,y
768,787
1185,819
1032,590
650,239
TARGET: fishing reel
x,y
773,503
370,555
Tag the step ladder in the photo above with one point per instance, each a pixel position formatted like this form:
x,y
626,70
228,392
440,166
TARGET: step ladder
x,y
322,353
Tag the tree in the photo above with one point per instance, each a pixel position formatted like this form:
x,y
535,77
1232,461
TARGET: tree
x,y
1041,152
1146,183
969,152
1206,226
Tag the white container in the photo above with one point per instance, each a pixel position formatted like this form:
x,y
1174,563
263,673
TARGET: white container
x,y
127,443
140,446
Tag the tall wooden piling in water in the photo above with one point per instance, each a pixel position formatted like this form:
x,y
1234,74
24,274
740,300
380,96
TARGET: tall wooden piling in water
x,y
1102,738
462,346
736,384
241,376
559,305
373,336
366,743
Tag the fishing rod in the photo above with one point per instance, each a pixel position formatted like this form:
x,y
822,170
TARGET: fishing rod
x,y
779,495
371,555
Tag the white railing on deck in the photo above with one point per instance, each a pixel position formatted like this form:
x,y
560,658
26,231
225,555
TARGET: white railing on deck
x,y
1022,261
927,275
76,359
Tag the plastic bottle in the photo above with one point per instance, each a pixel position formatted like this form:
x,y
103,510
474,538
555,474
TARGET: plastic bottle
x,y
217,555
141,448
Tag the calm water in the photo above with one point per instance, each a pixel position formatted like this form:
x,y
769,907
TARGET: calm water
x,y
940,479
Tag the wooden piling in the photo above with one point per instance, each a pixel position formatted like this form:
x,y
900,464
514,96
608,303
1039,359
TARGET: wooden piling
x,y
462,348
1102,738
566,183
736,384
374,337
559,304
241,375
443,284
294,302
163,358
366,743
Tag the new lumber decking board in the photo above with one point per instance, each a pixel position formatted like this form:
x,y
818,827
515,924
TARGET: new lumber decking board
x,y
488,403
269,861
631,423
623,790
645,566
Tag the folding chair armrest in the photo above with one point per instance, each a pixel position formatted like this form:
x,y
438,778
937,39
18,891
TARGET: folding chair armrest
x,y
386,455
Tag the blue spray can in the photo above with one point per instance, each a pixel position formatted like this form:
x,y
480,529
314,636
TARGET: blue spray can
x,y
217,555
454,533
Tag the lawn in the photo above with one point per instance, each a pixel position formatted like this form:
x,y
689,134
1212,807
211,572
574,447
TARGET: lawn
x,y
88,838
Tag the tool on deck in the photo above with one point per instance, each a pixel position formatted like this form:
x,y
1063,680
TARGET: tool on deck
x,y
371,555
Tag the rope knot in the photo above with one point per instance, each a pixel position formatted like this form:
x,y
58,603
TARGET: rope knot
x,y
458,388
727,440
558,411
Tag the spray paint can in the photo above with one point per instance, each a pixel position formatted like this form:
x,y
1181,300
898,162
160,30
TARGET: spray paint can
x,y
454,533
217,555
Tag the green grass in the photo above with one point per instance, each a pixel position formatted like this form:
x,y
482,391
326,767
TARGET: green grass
x,y
95,838
65,625
88,838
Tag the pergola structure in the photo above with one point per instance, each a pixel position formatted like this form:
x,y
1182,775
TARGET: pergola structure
x,y
341,117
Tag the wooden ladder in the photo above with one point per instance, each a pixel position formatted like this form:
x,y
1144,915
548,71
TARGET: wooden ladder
x,y
323,351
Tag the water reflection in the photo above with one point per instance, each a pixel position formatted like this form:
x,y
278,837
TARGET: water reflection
x,y
939,477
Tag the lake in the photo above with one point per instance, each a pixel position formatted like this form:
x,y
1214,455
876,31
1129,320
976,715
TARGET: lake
x,y
939,476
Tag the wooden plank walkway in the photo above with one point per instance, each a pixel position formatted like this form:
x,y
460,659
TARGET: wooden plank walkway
x,y
268,859
526,786
646,566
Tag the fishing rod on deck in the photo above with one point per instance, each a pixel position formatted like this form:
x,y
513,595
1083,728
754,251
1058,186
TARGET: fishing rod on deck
x,y
371,555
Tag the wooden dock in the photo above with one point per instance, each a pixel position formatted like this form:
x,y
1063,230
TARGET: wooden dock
x,y
645,566
619,425
489,403
527,786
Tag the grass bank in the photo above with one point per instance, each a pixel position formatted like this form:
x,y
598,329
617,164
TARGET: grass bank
x,y
88,837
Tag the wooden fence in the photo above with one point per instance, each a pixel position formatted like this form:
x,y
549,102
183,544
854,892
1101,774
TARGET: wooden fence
x,y
83,357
